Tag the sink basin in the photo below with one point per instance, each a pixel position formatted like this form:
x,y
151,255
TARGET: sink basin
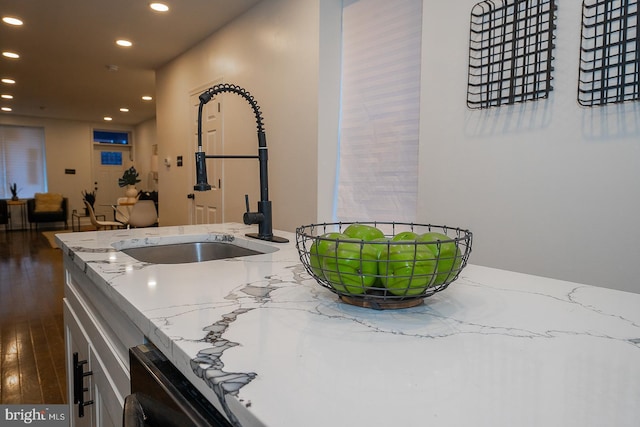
x,y
181,253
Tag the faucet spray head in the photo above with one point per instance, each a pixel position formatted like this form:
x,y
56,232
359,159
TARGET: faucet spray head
x,y
201,166
201,173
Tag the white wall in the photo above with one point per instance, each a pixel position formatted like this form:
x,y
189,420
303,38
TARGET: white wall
x,y
330,54
145,136
271,51
547,187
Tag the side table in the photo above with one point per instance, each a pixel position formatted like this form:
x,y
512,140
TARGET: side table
x,y
23,212
76,217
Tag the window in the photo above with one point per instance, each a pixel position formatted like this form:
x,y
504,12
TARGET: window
x,y
22,161
113,158
379,122
109,137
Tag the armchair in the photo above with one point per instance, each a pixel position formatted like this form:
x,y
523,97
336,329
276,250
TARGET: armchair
x,y
47,207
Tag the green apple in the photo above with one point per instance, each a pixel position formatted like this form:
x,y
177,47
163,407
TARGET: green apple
x,y
320,247
405,235
407,269
446,252
350,267
378,246
363,232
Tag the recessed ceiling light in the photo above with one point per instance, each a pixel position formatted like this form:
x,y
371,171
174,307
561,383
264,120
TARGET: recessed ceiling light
x,y
11,55
124,110
124,43
159,7
147,98
7,109
9,81
11,20
6,96
107,119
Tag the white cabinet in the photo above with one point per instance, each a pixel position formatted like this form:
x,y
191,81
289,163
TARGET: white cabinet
x,y
98,337
107,400
77,350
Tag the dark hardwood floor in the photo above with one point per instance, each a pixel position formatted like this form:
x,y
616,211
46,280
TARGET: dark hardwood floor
x,y
32,364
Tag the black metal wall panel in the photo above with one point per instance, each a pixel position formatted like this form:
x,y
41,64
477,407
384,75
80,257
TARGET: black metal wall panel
x,y
609,53
510,52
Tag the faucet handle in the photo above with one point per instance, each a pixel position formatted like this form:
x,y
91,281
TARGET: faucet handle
x,y
250,218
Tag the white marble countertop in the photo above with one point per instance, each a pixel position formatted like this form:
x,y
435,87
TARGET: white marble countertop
x,y
496,348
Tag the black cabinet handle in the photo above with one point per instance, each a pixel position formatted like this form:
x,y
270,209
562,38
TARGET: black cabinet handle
x,y
78,384
77,380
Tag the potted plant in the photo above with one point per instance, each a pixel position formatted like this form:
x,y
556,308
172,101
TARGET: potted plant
x,y
89,197
14,191
130,179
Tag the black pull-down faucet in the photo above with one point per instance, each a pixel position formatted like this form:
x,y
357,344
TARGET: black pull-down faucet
x,y
263,216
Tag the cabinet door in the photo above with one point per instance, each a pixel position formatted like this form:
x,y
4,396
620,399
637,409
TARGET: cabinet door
x,y
104,402
77,343
108,403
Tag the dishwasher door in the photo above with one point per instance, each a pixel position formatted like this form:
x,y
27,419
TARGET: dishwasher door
x,y
162,397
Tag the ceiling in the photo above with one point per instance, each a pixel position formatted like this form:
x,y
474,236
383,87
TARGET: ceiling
x,y
68,56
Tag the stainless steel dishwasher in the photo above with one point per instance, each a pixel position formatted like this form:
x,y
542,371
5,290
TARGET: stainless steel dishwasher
x,y
162,397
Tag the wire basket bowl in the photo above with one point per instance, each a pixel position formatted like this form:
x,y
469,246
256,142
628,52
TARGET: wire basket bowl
x,y
404,264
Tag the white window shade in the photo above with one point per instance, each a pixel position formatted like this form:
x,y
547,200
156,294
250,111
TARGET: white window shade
x,y
378,156
22,161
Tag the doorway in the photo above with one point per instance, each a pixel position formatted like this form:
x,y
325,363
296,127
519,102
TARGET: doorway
x,y
207,206
108,166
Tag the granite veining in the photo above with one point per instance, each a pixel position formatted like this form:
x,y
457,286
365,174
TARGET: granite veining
x,y
270,347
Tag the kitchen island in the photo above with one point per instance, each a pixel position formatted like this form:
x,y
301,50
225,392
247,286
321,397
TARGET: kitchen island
x,y
268,346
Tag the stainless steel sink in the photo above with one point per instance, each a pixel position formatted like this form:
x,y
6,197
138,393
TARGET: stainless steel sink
x,y
181,253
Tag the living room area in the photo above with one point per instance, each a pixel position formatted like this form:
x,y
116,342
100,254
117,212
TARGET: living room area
x,y
49,213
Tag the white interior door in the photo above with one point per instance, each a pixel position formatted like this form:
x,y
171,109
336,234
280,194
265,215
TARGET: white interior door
x,y
207,207
106,172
